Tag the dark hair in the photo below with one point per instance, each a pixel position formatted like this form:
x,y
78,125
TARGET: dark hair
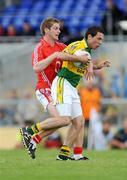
x,y
93,31
47,23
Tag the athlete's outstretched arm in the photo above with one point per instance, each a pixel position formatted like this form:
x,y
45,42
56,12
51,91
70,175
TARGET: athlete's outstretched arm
x,y
101,65
89,73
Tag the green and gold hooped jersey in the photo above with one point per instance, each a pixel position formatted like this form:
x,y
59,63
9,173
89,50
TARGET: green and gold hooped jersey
x,y
69,70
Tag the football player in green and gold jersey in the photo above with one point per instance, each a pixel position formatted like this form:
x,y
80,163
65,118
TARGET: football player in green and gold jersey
x,y
65,90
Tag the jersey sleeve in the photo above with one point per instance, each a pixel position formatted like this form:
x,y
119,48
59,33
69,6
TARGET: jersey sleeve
x,y
71,48
37,55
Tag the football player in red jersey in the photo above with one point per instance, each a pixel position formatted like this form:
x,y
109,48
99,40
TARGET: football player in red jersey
x,y
47,60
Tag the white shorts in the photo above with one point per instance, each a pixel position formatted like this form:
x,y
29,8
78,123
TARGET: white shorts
x,y
66,98
44,97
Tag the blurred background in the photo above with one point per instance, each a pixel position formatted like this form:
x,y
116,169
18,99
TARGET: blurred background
x,y
106,114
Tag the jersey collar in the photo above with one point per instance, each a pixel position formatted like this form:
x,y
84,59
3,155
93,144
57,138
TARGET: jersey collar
x,y
45,43
88,49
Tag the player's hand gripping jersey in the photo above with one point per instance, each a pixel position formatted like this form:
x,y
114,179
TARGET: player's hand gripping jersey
x,y
69,70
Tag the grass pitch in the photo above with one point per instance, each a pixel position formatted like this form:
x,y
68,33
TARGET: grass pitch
x,y
17,165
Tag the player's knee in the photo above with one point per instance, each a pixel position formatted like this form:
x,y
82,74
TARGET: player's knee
x,y
80,123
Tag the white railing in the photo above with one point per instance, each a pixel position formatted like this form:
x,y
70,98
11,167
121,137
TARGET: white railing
x,y
15,39
105,101
117,101
120,105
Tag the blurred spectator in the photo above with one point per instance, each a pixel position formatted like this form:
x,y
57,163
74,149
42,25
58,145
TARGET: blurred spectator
x,y
120,139
7,112
111,18
2,31
107,134
67,37
28,30
115,86
75,37
11,31
12,108
27,110
111,112
100,134
90,96
125,86
65,33
4,117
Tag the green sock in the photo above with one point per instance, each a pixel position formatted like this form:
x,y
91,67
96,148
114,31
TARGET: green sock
x,y
30,131
34,129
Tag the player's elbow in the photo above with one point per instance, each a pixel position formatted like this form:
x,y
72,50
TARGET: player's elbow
x,y
36,68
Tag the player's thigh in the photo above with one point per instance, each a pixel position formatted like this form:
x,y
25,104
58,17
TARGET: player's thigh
x,y
77,116
78,122
44,97
76,109
61,91
52,110
64,110
63,97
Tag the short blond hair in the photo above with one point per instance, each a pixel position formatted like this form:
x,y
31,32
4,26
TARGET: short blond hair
x,y
48,23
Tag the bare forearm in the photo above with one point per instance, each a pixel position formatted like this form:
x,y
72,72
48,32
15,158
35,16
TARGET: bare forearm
x,y
38,67
41,65
102,65
97,66
68,57
117,144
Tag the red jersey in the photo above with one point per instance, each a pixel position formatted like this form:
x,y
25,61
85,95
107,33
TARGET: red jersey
x,y
42,51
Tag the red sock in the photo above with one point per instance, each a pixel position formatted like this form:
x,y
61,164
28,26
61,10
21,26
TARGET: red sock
x,y
36,138
78,150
